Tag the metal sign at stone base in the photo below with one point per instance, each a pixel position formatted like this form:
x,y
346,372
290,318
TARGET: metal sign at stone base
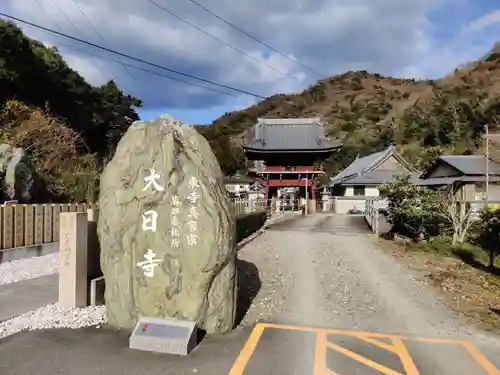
x,y
168,336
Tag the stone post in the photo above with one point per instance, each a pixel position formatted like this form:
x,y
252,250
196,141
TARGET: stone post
x,y
278,201
73,234
311,206
325,198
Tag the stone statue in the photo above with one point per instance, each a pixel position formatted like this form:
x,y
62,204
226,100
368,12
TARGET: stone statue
x,y
17,172
167,230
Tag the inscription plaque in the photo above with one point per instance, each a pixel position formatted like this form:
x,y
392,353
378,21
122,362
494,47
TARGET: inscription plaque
x,y
168,336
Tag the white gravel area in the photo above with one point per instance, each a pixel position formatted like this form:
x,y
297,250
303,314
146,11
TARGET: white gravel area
x,y
54,316
29,268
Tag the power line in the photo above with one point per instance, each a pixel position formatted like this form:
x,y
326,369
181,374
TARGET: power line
x,y
88,20
100,35
40,5
66,16
131,57
254,38
220,40
45,11
146,70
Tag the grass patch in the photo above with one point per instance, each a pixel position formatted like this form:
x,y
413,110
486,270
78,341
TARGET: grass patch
x,y
460,273
469,254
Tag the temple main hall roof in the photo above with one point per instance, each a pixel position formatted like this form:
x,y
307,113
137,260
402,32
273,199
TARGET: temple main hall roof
x,y
291,134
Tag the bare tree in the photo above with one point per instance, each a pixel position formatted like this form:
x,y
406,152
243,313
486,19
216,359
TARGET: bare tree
x,y
459,214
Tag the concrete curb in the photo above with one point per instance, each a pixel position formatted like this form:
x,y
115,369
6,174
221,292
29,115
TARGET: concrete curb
x,y
249,239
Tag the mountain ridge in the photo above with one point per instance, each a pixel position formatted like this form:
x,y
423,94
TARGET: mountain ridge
x,y
368,111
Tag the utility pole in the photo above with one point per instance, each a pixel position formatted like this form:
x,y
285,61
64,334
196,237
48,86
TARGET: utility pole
x,y
486,167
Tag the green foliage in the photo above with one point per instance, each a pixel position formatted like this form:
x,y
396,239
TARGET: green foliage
x,y
39,77
418,212
414,211
489,234
3,191
68,127
82,183
250,223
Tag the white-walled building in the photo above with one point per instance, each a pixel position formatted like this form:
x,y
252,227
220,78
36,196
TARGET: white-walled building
x,y
361,179
238,186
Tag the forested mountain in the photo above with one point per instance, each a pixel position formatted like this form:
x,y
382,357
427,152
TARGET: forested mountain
x,y
38,76
39,91
368,112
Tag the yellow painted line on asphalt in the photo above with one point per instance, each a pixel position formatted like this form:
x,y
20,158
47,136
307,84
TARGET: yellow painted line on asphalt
x,y
481,359
319,357
247,351
359,358
396,347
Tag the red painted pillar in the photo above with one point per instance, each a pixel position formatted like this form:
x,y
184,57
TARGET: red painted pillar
x,y
266,193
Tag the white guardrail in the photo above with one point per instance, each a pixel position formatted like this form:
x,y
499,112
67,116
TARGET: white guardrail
x,y
372,213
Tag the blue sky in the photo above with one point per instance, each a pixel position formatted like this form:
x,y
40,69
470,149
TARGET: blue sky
x,y
411,38
450,19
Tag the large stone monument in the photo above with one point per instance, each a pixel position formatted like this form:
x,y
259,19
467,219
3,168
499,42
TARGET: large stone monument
x,y
167,230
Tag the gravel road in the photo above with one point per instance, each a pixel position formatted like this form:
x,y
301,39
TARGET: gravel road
x,y
325,271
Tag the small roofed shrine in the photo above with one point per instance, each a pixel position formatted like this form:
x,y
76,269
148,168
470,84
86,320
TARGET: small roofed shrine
x,y
289,151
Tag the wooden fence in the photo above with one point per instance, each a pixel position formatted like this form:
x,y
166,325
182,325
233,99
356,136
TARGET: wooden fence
x,y
37,224
33,224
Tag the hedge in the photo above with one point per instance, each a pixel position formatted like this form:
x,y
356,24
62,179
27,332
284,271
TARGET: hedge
x,y
249,223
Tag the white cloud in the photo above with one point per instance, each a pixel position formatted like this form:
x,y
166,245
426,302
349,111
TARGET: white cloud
x,y
469,44
481,23
330,36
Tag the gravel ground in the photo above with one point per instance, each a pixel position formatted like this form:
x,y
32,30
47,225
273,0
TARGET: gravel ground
x,y
263,274
345,279
312,274
30,268
53,316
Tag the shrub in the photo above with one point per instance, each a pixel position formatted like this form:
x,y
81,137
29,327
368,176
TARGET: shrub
x,y
249,223
488,236
414,211
58,154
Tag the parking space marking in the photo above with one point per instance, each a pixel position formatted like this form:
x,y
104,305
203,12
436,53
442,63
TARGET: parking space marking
x,y
481,358
247,351
396,346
